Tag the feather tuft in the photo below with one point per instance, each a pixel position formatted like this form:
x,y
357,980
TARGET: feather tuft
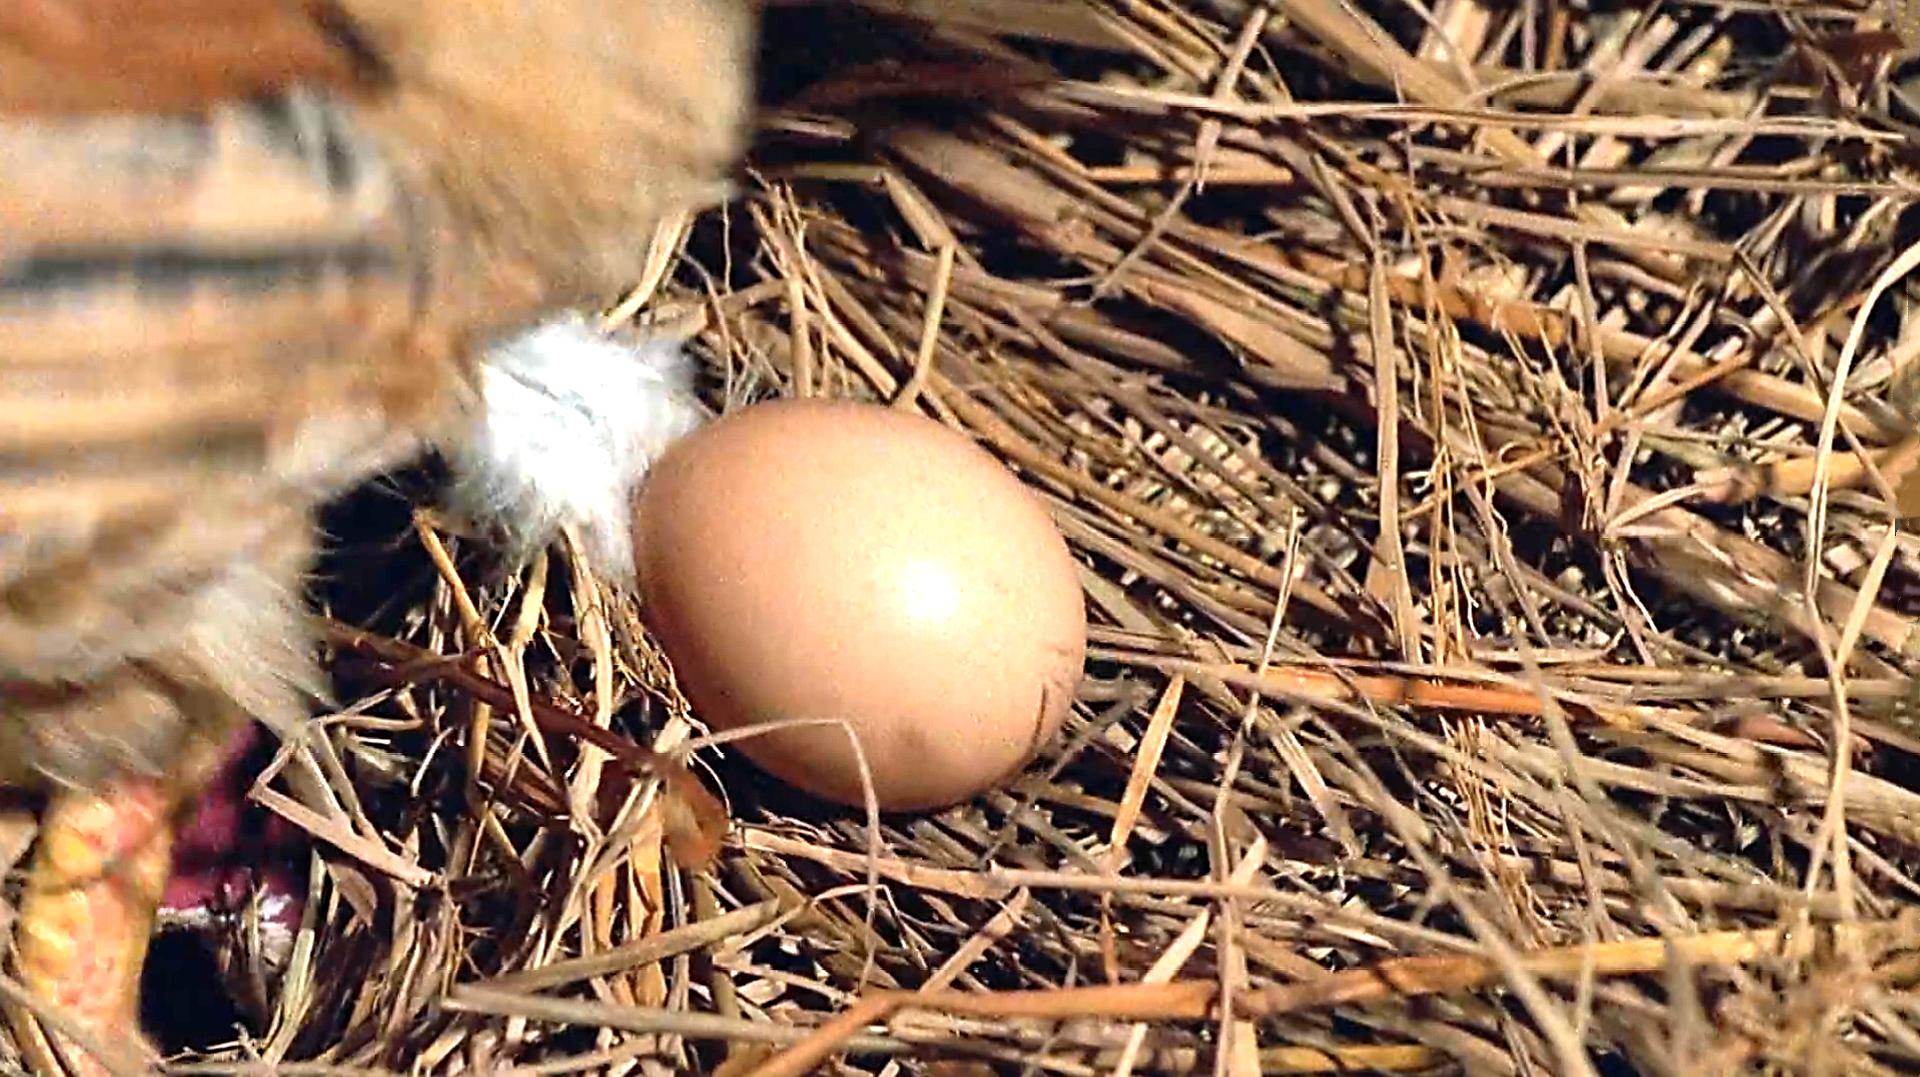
x,y
570,420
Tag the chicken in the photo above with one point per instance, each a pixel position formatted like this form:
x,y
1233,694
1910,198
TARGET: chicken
x,y
251,252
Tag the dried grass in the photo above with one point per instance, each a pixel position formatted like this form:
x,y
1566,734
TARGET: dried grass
x,y
1483,429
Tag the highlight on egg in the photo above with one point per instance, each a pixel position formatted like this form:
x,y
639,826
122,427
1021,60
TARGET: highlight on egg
x,y
832,560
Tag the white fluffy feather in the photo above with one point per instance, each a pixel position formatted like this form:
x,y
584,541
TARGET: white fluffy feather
x,y
570,420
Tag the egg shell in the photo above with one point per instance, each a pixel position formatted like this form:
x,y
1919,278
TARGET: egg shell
x,y
814,559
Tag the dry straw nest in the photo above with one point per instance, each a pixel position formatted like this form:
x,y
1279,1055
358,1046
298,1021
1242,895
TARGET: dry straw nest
x,y
1482,429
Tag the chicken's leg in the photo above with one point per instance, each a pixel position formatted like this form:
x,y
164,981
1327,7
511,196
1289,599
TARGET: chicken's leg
x,y
88,907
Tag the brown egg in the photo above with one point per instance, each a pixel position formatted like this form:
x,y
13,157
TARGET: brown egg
x,y
829,559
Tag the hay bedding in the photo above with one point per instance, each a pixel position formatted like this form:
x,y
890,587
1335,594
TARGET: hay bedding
x,y
1452,408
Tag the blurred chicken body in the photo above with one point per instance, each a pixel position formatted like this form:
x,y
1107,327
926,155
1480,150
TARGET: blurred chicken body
x,y
249,251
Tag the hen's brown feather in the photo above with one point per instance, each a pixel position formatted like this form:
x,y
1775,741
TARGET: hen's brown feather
x,y
74,56
184,371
